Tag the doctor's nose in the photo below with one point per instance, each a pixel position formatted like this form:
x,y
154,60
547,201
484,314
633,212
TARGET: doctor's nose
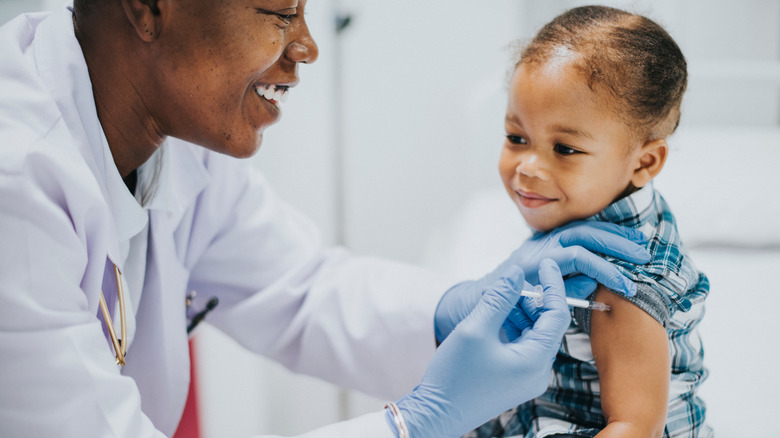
x,y
303,49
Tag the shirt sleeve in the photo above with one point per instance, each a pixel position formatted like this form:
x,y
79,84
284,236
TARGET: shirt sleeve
x,y
646,298
360,322
57,372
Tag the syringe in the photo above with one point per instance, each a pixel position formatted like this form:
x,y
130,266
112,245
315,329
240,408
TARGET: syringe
x,y
572,302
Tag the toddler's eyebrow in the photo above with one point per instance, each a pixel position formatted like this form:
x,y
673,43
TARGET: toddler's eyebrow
x,y
571,131
511,117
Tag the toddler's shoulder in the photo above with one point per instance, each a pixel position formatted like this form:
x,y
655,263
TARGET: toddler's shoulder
x,y
670,282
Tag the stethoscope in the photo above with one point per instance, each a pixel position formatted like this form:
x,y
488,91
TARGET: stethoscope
x,y
120,347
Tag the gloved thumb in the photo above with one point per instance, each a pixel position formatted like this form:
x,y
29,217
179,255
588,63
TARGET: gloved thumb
x,y
555,318
498,300
550,276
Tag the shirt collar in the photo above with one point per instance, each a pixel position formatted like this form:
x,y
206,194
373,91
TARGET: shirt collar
x,y
129,217
182,176
636,210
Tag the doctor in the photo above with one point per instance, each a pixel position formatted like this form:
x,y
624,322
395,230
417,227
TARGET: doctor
x,y
120,193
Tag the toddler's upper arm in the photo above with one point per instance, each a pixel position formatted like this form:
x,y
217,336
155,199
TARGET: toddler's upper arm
x,y
631,350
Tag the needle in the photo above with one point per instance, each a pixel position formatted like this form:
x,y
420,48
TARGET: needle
x,y
572,302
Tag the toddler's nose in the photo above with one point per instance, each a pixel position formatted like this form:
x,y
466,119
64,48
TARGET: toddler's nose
x,y
531,166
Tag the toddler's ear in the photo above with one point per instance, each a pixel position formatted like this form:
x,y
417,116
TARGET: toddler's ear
x,y
650,161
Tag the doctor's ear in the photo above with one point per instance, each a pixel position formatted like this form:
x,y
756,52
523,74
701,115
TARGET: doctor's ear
x,y
650,161
144,15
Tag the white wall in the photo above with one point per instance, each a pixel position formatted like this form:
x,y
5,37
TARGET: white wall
x,y
12,8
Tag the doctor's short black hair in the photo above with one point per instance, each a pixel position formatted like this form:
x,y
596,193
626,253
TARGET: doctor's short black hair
x,y
85,7
629,57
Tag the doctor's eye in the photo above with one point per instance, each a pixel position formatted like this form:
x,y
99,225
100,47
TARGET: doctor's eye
x,y
562,149
283,18
287,18
516,139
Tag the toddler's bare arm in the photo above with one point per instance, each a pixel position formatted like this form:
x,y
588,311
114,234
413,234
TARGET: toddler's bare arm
x,y
631,350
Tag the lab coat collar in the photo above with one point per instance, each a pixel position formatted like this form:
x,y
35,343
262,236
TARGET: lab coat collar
x,y
63,69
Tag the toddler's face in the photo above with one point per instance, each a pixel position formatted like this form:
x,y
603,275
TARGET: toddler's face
x,y
566,155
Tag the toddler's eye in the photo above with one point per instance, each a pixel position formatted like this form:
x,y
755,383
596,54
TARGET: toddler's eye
x,y
516,139
562,149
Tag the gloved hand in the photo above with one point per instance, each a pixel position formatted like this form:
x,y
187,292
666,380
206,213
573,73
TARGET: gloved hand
x,y
474,375
570,247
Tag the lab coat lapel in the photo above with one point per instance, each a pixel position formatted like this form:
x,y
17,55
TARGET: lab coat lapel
x,y
62,68
159,326
64,71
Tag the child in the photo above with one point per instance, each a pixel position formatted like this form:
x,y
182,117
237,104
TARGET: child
x,y
592,100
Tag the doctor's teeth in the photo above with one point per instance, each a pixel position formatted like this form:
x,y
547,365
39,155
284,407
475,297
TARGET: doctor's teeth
x,y
273,93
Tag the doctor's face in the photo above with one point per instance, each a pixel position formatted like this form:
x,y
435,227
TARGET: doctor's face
x,y
226,67
566,155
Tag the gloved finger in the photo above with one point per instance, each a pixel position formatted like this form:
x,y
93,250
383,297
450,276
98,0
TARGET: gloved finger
x,y
532,307
454,306
548,330
510,331
631,234
577,259
517,321
580,286
498,301
609,239
528,308
551,279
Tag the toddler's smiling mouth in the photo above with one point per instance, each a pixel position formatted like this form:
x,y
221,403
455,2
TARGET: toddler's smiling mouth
x,y
532,200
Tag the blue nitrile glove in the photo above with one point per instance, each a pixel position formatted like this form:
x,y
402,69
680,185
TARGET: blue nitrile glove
x,y
474,375
572,247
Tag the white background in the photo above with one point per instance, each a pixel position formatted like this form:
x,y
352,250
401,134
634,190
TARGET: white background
x,y
401,121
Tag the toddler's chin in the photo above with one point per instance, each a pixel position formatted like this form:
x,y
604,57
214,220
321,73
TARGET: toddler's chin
x,y
539,226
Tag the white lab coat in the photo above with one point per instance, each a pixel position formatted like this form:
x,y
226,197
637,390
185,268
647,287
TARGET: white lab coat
x,y
214,226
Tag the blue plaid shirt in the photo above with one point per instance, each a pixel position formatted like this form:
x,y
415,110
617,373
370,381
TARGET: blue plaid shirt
x,y
672,291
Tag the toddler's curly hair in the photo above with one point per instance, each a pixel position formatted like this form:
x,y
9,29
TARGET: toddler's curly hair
x,y
627,56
